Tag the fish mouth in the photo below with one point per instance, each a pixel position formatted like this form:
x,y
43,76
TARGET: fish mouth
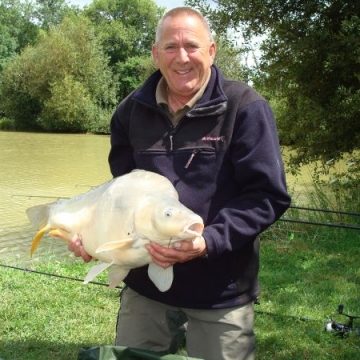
x,y
194,229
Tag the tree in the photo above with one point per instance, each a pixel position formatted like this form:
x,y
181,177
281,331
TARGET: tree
x,y
48,13
231,59
126,27
63,83
310,64
132,73
16,28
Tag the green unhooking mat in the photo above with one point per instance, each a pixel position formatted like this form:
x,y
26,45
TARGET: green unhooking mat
x,y
125,353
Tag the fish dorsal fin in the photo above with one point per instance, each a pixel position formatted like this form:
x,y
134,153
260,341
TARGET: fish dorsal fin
x,y
116,275
95,271
111,245
162,278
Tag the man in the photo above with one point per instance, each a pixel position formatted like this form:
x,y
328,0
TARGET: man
x,y
216,141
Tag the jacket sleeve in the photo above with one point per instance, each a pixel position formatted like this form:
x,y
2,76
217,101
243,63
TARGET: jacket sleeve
x,y
259,177
121,160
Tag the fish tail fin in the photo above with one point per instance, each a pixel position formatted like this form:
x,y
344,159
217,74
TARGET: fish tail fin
x,y
37,239
39,215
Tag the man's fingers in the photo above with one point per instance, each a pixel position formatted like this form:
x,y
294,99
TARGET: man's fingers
x,y
77,248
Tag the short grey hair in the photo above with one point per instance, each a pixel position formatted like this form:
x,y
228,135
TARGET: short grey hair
x,y
182,10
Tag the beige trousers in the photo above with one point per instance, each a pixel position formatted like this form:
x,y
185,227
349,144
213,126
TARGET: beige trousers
x,y
217,334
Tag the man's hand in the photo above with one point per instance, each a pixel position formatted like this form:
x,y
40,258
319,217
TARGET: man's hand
x,y
76,246
180,252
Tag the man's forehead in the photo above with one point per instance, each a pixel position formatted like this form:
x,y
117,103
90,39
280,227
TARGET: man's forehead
x,y
181,35
190,27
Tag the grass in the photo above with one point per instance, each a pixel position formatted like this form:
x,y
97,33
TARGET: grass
x,y
306,272
306,277
46,317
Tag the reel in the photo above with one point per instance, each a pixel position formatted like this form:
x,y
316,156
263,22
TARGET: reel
x,y
340,328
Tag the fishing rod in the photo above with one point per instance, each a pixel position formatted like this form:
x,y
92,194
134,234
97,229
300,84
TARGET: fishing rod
x,y
330,326
326,210
54,275
305,222
256,302
40,196
349,213
342,226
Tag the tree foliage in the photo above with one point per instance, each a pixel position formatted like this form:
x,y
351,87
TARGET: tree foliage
x,y
67,78
62,83
62,68
231,59
310,66
49,13
132,73
16,28
126,27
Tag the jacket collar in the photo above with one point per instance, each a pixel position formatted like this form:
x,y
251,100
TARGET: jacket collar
x,y
213,102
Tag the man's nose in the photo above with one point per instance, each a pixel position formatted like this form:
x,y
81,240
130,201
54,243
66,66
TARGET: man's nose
x,y
182,55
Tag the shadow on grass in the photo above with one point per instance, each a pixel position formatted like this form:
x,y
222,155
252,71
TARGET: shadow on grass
x,y
39,350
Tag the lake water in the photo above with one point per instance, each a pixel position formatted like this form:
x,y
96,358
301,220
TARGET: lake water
x,y
38,168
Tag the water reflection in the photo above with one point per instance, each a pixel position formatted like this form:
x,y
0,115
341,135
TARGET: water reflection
x,y
38,168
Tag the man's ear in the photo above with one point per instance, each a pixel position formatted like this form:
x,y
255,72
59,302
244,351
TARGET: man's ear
x,y
154,53
212,51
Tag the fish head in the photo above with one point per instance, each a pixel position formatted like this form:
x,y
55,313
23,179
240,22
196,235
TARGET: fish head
x,y
164,219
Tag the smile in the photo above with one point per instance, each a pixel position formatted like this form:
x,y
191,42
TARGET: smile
x,y
183,72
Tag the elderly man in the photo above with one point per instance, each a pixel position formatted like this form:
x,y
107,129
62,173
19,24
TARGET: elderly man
x,y
216,141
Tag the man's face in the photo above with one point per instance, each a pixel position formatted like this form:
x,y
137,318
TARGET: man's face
x,y
184,54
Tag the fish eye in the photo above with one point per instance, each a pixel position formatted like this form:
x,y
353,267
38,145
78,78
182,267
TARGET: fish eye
x,y
168,213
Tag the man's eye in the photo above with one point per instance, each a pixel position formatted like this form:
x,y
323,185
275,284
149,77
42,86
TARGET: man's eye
x,y
170,48
191,47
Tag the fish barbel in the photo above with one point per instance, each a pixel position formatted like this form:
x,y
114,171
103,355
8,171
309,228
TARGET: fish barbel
x,y
115,221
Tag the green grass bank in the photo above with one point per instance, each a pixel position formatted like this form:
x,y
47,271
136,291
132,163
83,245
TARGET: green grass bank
x,y
306,272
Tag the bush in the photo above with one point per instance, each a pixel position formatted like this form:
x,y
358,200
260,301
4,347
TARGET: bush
x,y
7,124
60,85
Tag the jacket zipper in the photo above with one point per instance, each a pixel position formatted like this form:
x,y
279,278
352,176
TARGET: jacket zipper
x,y
171,139
194,152
172,133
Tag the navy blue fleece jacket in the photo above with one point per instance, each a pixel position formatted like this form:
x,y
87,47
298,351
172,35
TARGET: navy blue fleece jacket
x,y
223,158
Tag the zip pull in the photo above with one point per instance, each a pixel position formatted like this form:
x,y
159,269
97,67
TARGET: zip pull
x,y
171,136
191,158
171,143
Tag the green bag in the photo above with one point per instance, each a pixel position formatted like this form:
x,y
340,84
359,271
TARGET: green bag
x,y
126,353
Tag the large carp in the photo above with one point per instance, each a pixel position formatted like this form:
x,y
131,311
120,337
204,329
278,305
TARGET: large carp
x,y
116,219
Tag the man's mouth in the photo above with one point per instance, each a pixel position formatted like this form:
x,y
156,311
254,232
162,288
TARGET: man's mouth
x,y
183,72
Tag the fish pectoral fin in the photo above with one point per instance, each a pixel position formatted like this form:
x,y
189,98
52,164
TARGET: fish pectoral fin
x,y
95,271
114,245
61,234
37,239
116,275
162,278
